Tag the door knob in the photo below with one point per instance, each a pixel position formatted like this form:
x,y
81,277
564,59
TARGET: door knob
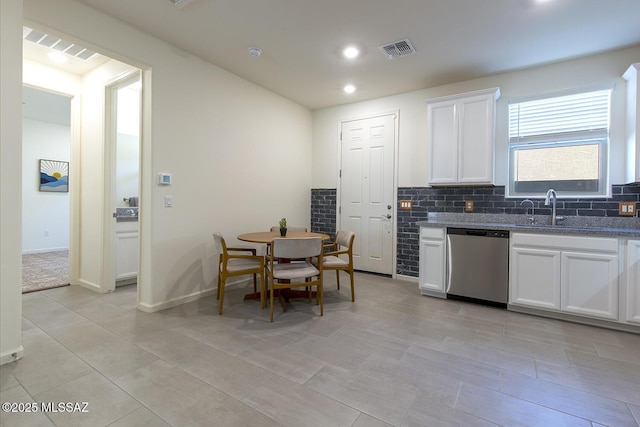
x,y
388,216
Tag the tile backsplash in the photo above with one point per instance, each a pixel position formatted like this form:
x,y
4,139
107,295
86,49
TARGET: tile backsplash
x,y
486,199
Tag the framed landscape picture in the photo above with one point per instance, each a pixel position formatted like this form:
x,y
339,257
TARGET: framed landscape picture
x,y
54,176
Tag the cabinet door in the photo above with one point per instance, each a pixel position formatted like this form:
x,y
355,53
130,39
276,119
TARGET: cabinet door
x,y
590,284
432,266
476,146
443,142
535,277
633,281
127,255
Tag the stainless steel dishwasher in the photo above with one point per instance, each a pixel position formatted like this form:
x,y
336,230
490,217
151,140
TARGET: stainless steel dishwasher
x,y
478,265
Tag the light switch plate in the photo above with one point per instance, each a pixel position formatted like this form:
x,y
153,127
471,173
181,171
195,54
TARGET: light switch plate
x,y
168,201
406,205
627,208
468,205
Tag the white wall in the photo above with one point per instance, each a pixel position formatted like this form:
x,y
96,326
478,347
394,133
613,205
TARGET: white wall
x,y
10,176
240,155
45,216
604,69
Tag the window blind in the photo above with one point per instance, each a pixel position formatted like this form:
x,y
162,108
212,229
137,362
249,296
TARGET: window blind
x,y
577,116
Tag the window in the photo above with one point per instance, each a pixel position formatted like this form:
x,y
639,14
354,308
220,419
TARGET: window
x,y
560,143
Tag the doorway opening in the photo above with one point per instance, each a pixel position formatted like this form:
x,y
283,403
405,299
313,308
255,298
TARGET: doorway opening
x,y
46,150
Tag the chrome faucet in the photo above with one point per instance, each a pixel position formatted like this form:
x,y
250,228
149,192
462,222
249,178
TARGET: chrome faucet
x,y
531,218
551,198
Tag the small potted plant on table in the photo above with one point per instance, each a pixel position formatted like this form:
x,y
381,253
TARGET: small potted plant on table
x,y
283,227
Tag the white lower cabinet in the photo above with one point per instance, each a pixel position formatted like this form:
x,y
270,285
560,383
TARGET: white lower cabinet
x,y
632,299
432,261
126,250
590,284
571,274
535,277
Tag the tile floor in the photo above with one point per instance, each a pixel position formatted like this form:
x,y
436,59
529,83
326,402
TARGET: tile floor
x,y
392,358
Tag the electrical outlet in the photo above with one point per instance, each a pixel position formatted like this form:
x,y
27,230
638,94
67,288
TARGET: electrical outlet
x,y
627,208
406,205
468,205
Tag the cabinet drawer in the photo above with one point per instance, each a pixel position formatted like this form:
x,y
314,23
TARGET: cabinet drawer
x,y
554,241
432,233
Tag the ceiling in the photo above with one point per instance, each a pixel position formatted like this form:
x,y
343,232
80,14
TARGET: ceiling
x,y
455,40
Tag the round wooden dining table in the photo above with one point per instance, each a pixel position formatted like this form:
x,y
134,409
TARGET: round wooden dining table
x,y
266,237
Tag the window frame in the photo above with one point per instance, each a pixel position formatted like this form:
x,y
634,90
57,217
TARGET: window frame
x,y
558,140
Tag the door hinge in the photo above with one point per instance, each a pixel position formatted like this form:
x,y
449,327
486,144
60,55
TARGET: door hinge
x,y
339,209
340,173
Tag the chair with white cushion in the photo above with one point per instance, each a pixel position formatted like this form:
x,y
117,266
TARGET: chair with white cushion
x,y
237,262
340,257
285,275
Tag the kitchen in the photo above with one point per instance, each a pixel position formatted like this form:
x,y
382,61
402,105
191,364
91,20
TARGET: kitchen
x,y
178,258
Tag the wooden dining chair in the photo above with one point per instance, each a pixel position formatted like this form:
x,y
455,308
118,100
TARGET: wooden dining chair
x,y
236,262
338,256
284,275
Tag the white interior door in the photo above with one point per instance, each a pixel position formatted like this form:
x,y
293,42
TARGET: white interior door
x,y
121,176
366,204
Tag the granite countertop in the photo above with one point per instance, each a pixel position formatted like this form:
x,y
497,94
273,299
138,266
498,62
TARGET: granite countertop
x,y
126,214
593,226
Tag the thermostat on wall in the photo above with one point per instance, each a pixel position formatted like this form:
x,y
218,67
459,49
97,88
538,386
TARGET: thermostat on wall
x,y
164,178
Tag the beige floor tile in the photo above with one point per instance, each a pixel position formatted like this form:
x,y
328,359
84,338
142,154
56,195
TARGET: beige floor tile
x,y
45,367
594,407
635,410
117,357
401,357
18,394
294,405
590,380
505,410
223,338
36,302
141,417
365,420
182,399
377,394
491,356
293,365
105,402
426,411
171,345
55,318
537,350
612,367
454,366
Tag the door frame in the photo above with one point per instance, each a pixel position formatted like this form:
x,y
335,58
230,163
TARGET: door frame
x,y
108,281
394,174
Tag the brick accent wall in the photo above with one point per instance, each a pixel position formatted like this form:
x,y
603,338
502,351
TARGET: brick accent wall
x,y
489,199
323,210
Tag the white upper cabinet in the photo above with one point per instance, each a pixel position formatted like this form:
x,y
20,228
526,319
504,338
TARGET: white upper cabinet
x,y
461,138
633,119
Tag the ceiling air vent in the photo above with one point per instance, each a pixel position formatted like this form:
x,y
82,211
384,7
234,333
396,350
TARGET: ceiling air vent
x,y
399,48
56,43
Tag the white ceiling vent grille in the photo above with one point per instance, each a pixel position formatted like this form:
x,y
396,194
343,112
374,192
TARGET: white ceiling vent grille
x,y
56,43
399,48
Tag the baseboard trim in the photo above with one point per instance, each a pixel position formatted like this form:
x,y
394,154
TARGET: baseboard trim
x,y
92,286
41,251
407,278
11,355
152,308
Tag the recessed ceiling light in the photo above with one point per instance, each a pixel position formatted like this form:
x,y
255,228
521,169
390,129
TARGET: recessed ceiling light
x,y
57,57
255,51
349,88
351,52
